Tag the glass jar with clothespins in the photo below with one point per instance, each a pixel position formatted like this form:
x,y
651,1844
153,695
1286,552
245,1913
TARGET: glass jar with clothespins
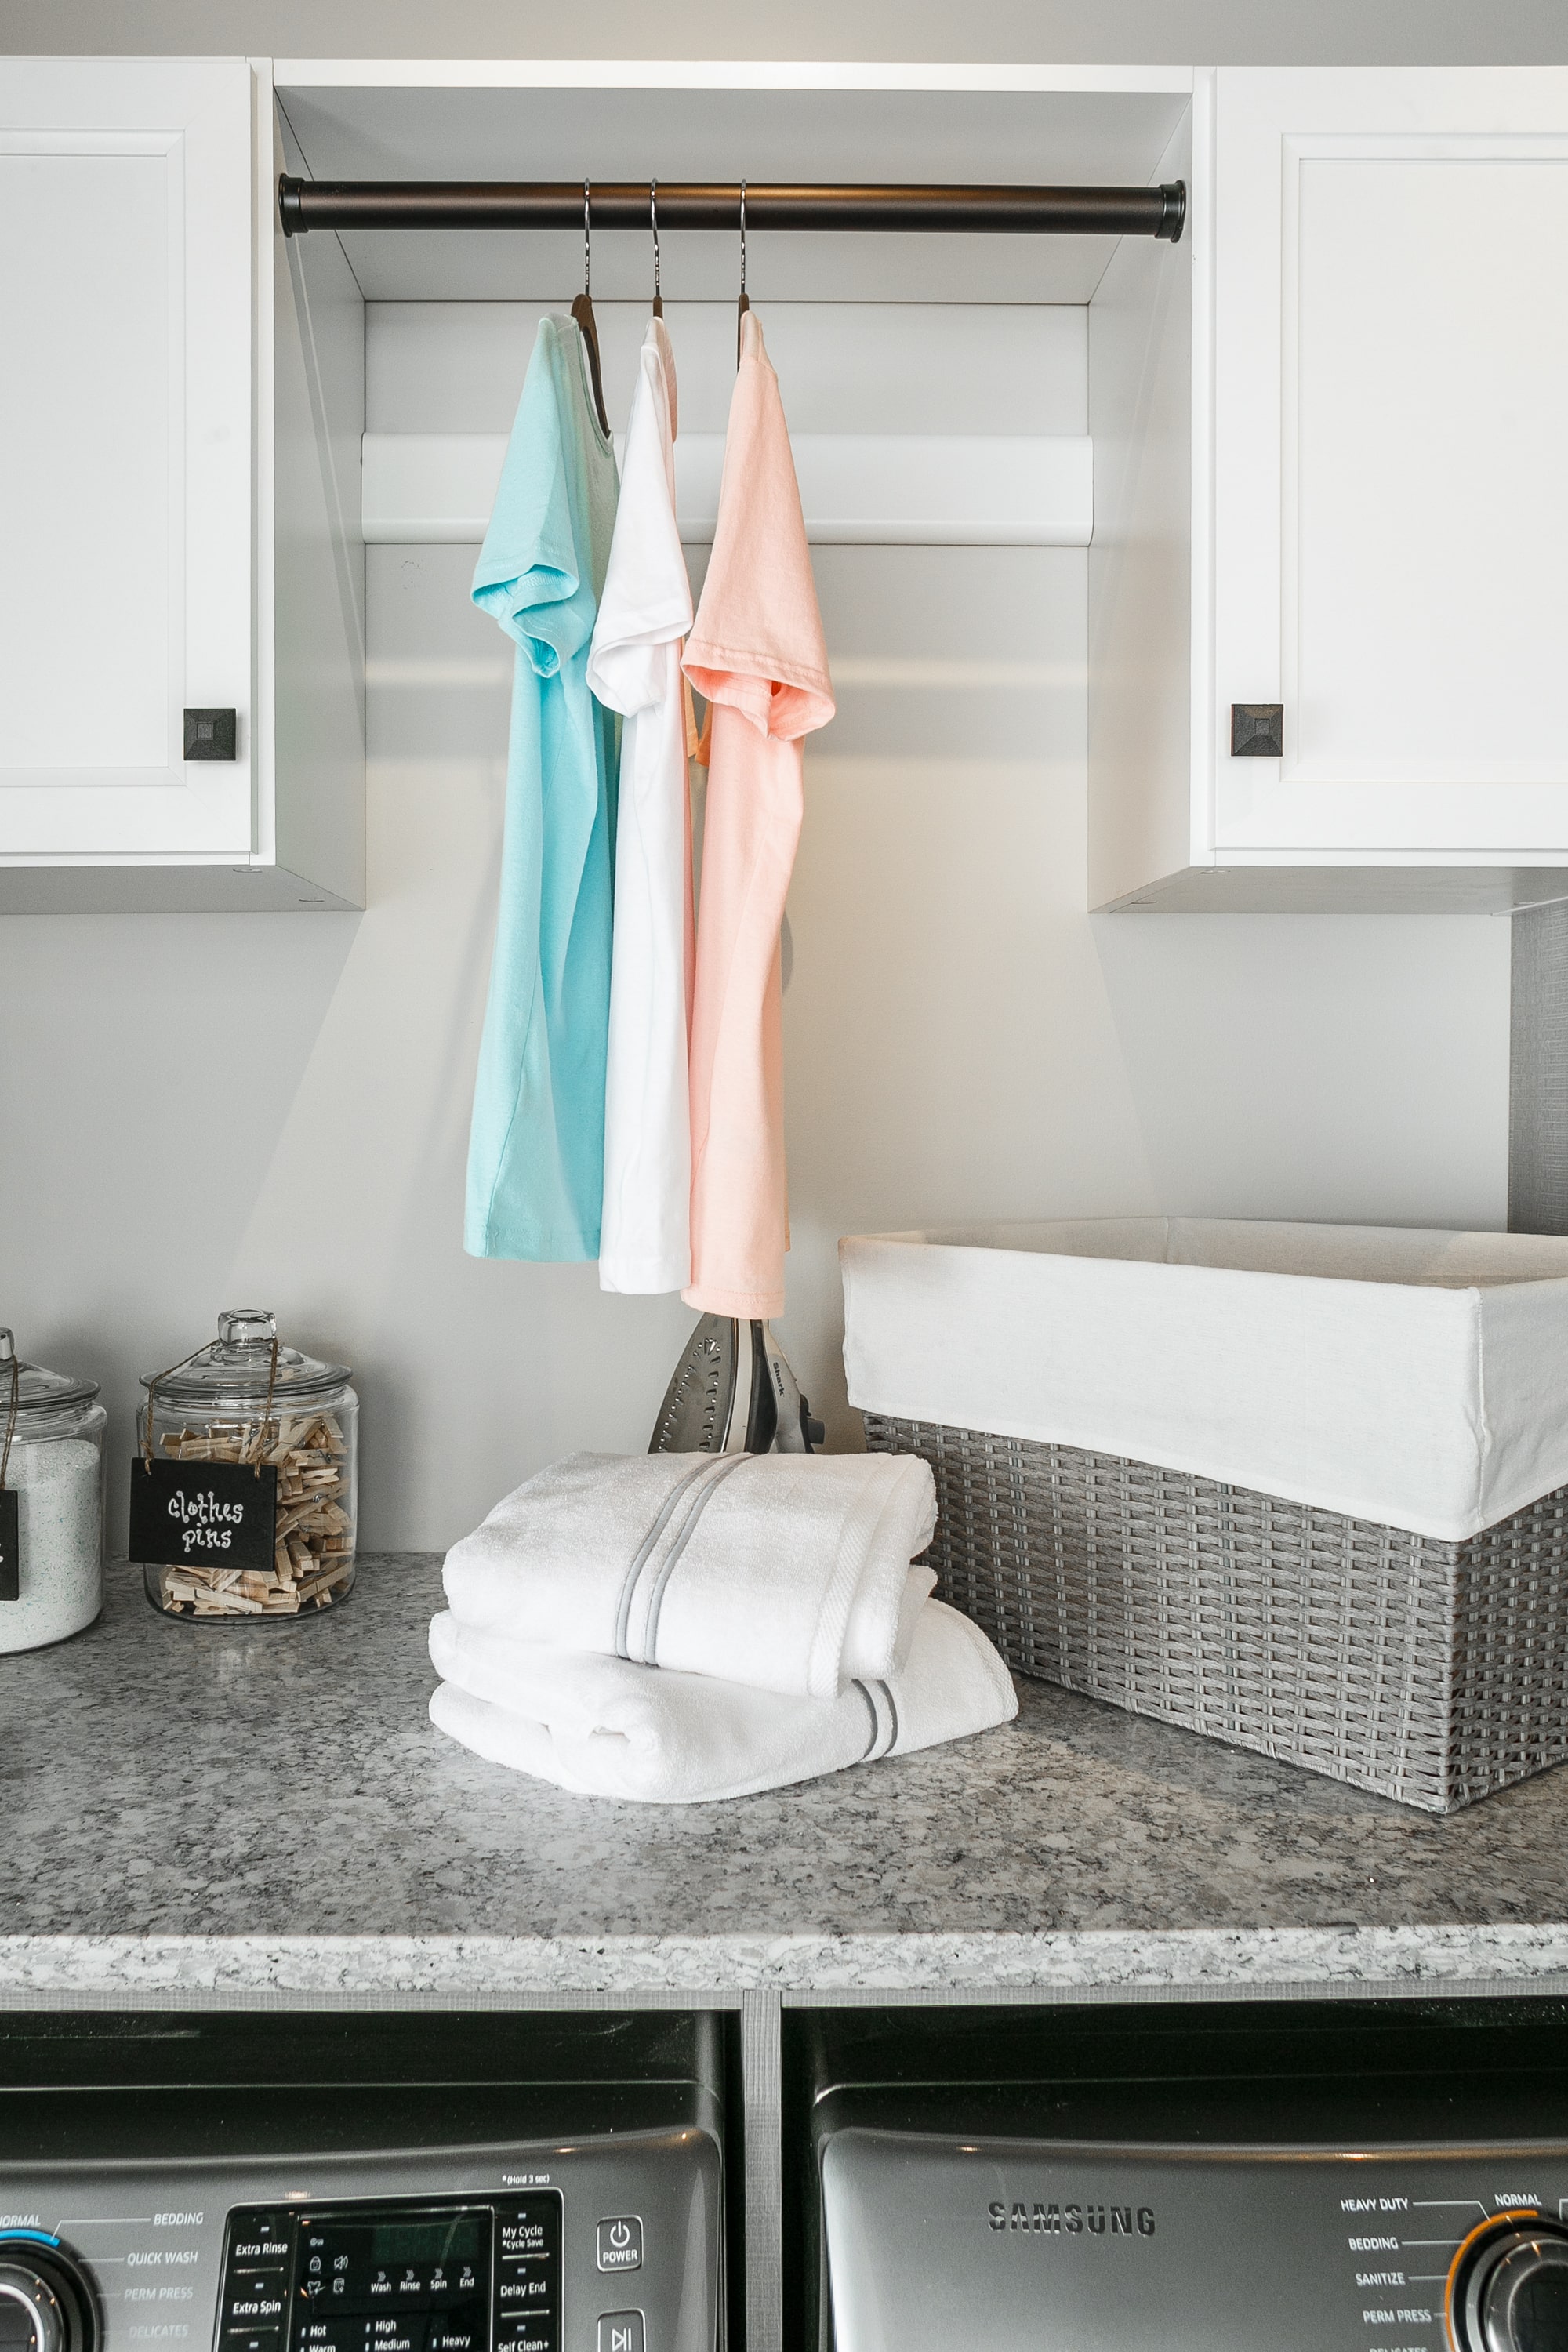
x,y
244,1491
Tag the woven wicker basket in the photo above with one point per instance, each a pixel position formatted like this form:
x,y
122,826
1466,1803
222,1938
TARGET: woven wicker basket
x,y
1431,1672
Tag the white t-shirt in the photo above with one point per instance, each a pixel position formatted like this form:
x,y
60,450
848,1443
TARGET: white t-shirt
x,y
633,666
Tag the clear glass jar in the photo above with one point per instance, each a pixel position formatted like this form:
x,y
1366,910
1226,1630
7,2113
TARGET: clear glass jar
x,y
245,1398
55,1464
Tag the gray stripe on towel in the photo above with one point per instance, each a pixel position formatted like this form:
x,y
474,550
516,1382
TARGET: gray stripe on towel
x,y
641,1558
650,1638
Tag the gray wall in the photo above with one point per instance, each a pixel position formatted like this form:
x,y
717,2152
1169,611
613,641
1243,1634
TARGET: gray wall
x,y
1141,31
203,1111
1538,1093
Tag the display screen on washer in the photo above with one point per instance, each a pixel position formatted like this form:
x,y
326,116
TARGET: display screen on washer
x,y
395,2278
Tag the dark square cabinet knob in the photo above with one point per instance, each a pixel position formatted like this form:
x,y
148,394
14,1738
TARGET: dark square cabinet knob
x,y
212,734
1258,730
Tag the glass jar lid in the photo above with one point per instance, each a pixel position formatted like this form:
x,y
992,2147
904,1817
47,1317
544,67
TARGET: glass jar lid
x,y
38,1390
238,1364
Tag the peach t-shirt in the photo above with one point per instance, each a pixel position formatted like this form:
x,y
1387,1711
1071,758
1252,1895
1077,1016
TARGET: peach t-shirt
x,y
756,652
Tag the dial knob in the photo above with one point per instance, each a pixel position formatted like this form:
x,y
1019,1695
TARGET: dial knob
x,y
46,2303
1508,2290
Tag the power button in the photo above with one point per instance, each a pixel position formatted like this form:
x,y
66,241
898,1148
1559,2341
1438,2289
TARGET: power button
x,y
620,2244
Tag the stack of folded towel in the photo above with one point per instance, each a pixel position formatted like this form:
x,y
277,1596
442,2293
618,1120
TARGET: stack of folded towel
x,y
674,1627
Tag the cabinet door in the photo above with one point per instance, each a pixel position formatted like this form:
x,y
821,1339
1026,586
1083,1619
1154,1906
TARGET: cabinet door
x,y
1391,460
125,455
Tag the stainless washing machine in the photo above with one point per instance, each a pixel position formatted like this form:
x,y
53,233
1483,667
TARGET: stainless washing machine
x,y
1324,2177
401,2182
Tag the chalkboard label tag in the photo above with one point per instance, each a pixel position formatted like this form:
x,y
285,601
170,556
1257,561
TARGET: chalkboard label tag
x,y
202,1513
10,1546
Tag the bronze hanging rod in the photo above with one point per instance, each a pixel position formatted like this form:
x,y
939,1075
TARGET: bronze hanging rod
x,y
624,203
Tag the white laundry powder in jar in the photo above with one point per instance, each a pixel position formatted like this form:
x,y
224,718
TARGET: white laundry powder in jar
x,y
61,1526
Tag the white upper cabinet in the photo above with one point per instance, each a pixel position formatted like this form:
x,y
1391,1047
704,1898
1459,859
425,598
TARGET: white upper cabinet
x,y
126,454
1328,430
1390,439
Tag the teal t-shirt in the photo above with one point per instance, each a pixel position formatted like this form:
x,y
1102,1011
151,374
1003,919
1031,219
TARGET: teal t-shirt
x,y
536,1147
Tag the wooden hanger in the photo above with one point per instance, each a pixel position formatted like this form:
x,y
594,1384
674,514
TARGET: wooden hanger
x,y
583,312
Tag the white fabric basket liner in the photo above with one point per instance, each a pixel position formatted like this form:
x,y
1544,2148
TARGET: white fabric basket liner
x,y
1413,1377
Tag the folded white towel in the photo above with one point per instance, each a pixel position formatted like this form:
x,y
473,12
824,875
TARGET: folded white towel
x,y
604,1728
783,1571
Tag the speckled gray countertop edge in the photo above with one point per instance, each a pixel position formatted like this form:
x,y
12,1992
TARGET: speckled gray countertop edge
x,y
1078,1854
722,1967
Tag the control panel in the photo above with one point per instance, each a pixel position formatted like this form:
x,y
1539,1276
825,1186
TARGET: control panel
x,y
1023,2245
605,2245
394,2278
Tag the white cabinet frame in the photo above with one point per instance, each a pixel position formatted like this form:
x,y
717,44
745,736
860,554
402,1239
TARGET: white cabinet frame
x,y
1469,761
127,601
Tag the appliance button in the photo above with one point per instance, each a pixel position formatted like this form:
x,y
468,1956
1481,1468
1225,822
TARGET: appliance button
x,y
620,2244
523,2285
1525,2301
31,2313
253,2339
533,2331
312,2335
45,2298
1507,2285
522,2235
452,2334
621,2331
256,2301
258,2235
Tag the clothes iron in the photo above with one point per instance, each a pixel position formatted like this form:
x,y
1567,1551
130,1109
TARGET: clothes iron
x,y
734,1392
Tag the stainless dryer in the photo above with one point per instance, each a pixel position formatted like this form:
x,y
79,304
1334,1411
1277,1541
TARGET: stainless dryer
x,y
1376,2177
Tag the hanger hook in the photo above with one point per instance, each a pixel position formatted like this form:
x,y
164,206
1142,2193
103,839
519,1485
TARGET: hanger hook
x,y
583,312
743,303
653,216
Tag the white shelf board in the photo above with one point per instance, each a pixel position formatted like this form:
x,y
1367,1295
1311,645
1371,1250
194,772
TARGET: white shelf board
x,y
857,489
716,73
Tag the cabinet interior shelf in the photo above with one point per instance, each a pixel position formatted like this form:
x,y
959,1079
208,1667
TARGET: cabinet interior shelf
x,y
857,489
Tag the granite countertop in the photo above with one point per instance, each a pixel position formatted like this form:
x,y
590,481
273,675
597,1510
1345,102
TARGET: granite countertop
x,y
253,1812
